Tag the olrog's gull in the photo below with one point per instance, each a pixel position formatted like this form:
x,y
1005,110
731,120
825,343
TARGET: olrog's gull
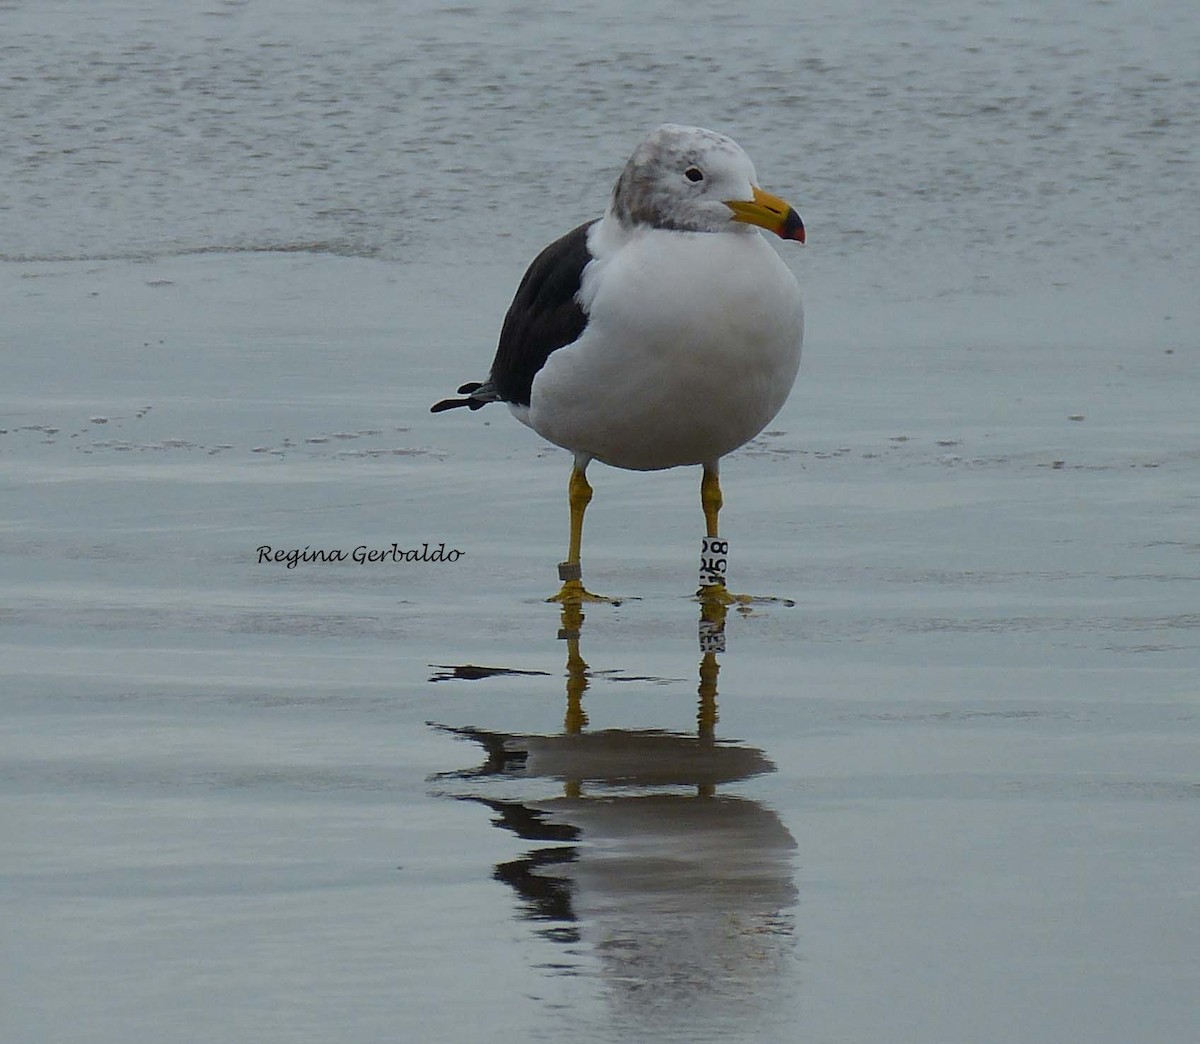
x,y
666,333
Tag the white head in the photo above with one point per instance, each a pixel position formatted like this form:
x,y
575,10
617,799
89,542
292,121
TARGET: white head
x,y
694,180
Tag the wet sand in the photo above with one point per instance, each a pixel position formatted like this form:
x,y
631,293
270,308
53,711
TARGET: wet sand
x,y
950,794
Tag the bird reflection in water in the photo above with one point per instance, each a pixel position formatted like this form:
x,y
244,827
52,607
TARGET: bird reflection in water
x,y
684,894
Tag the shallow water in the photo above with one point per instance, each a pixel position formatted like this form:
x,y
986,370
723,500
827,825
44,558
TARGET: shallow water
x,y
949,794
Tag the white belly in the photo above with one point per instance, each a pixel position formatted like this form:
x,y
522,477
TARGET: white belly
x,y
692,345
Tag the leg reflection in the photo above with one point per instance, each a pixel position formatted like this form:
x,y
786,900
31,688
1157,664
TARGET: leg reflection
x,y
712,641
577,668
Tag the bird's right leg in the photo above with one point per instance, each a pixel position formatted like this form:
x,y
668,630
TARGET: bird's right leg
x,y
570,572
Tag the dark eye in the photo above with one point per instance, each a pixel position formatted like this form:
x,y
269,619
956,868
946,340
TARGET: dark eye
x,y
694,174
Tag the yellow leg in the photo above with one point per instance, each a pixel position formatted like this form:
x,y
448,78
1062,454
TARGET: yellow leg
x,y
579,495
717,594
710,500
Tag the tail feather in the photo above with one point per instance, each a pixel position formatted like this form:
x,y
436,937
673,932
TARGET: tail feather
x,y
450,404
478,394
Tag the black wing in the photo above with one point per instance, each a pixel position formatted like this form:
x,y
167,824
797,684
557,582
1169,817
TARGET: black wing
x,y
543,317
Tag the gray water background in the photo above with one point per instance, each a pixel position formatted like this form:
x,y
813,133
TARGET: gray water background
x,y
1039,136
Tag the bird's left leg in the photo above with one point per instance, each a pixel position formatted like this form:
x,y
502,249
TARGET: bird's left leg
x,y
714,552
710,498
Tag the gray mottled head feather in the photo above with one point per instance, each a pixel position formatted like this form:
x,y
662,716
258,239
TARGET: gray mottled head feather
x,y
654,189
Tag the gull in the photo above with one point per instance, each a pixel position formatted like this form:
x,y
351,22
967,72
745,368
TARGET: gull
x,y
664,334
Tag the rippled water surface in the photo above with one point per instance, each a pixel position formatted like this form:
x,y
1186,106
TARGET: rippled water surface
x,y
1013,131
944,788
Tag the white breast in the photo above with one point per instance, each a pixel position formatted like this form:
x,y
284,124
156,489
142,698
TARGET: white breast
x,y
692,345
